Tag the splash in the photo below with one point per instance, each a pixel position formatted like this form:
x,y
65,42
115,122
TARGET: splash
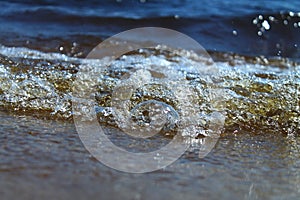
x,y
261,97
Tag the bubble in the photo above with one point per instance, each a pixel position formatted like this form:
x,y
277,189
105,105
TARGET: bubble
x,y
137,107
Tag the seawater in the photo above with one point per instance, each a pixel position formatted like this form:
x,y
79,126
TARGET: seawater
x,y
255,46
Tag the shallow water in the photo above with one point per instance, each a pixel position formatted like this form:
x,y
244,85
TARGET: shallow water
x,y
45,159
255,47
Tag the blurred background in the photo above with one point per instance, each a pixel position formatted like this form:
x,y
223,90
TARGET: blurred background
x,y
247,27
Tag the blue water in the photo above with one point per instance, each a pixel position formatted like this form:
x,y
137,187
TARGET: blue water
x,y
218,25
153,8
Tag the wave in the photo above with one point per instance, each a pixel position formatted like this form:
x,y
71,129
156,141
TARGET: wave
x,y
267,33
258,94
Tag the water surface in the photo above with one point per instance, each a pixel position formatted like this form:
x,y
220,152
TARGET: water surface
x,y
255,45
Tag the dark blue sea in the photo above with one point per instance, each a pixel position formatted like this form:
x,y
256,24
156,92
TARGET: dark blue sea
x,y
261,27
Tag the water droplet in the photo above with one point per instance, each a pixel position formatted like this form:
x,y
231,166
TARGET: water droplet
x,y
271,18
295,25
259,33
255,21
279,53
266,25
291,14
